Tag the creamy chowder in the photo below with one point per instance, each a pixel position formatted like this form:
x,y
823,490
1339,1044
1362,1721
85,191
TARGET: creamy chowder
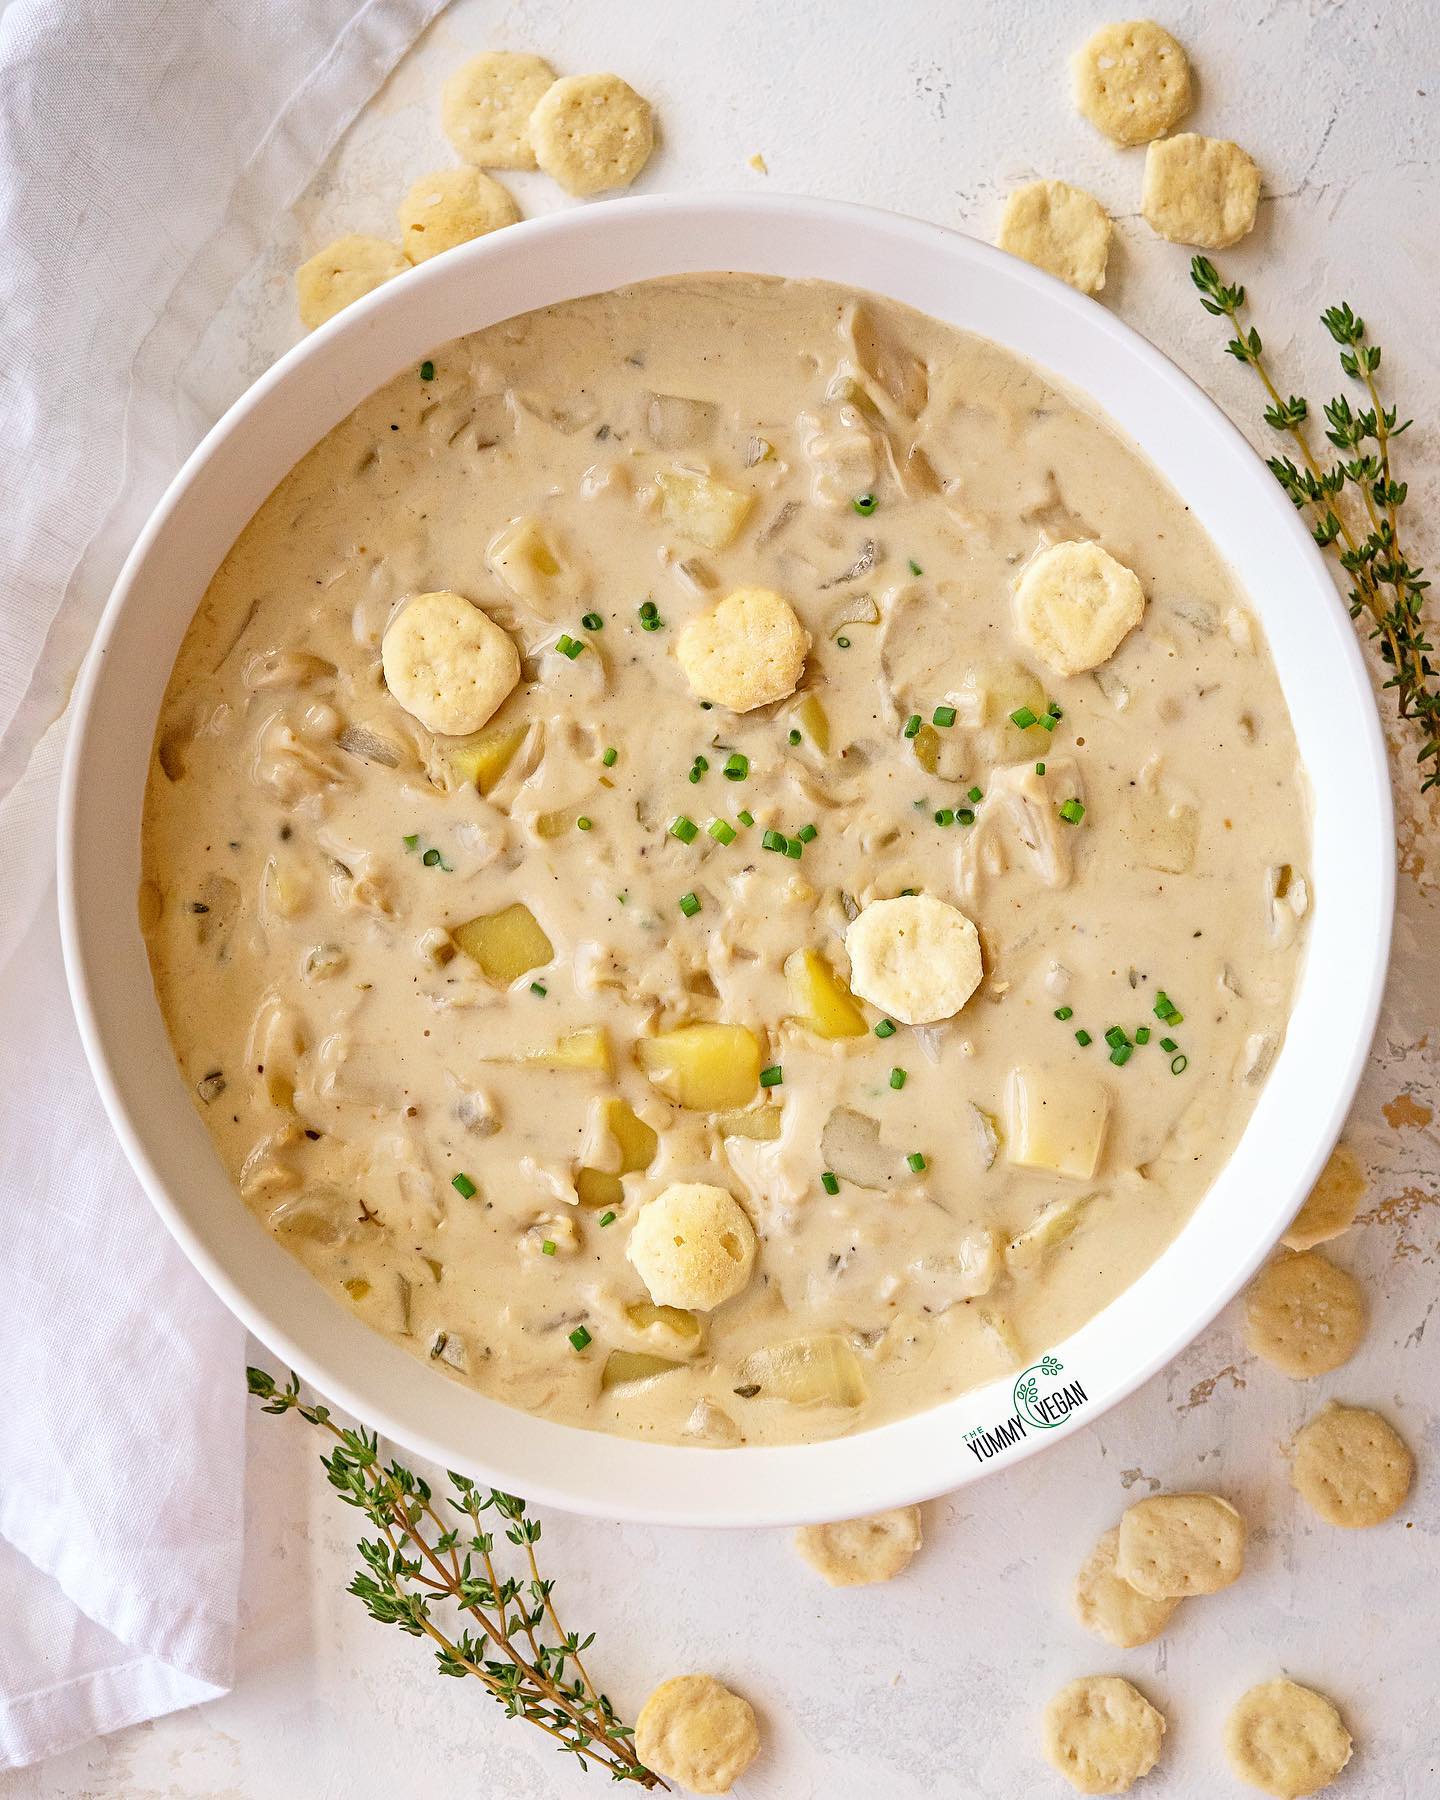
x,y
724,861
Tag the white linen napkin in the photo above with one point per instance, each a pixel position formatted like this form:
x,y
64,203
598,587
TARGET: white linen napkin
x,y
145,154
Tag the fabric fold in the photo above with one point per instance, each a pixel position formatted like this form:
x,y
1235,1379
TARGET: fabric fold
x,y
146,156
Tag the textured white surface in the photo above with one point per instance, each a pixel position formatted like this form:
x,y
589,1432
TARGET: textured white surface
x,y
931,1687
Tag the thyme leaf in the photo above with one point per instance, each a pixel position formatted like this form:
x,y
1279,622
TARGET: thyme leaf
x,y
1351,501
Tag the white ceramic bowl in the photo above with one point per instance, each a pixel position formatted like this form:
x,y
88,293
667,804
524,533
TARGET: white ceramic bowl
x,y
585,251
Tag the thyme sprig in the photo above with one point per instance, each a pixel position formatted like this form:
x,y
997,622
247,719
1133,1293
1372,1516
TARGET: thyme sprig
x,y
514,1643
1353,501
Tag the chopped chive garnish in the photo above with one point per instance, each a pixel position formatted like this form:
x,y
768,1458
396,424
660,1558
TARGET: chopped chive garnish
x,y
897,1079
1083,1037
1167,1044
773,1076
886,1028
579,1337
1048,722
807,834
964,815
1142,1034
722,832
737,767
582,823
427,370
908,893
1039,768
830,1183
794,737
916,1161
412,841
865,504
842,643
463,1186
539,987
1115,1037
912,725
945,816
976,795
548,1247
606,1218
610,757
1072,812
1053,710
773,840
689,905
943,715
746,817
649,610
1064,1012
1179,1064
915,568
593,622
1023,717
1166,1010
431,858
652,624
794,849
684,829
1121,1054
568,646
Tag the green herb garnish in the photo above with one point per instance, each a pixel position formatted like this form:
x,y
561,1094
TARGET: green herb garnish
x,y
463,1186
885,1029
684,829
737,767
689,905
897,1079
830,1183
722,832
1352,505
510,1638
1072,812
774,1076
865,504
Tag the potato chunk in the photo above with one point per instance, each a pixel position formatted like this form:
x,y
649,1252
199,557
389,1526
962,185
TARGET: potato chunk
x,y
1056,1121
585,1049
1162,834
708,1068
807,1371
636,1141
524,557
700,508
822,1002
486,760
623,1367
506,944
760,1123
599,1187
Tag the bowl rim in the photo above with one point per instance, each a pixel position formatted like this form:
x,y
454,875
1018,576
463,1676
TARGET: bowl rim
x,y
565,1466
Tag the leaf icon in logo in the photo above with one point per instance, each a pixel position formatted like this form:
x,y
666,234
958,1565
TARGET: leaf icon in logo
x,y
1049,1366
1028,1391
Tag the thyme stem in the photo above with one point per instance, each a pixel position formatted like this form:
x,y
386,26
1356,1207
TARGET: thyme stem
x,y
404,1566
1386,586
